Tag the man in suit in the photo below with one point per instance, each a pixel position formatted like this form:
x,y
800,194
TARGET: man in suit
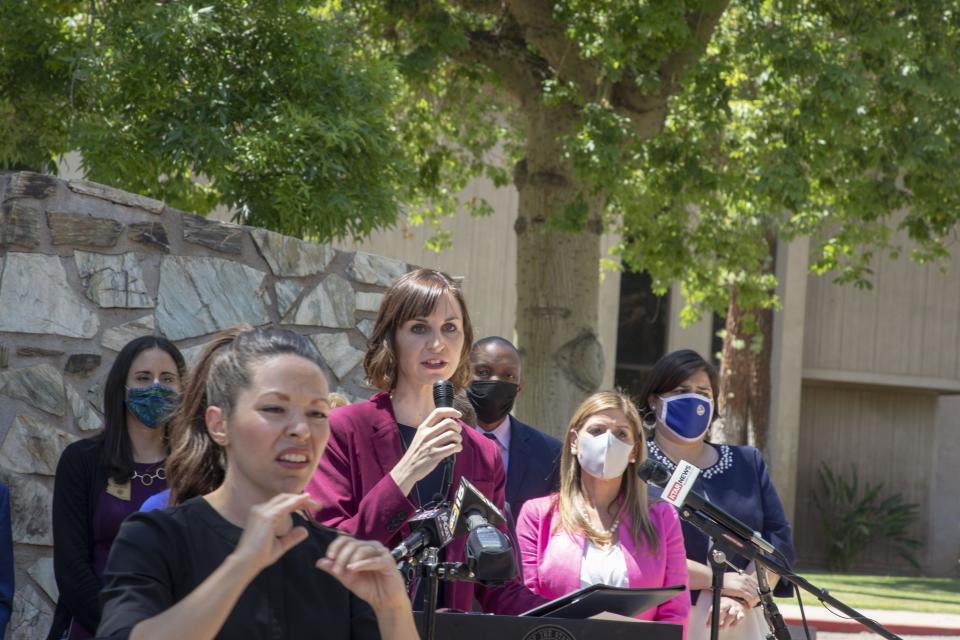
x,y
531,458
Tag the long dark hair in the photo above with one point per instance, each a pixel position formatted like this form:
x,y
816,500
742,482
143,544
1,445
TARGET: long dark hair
x,y
197,464
670,371
116,451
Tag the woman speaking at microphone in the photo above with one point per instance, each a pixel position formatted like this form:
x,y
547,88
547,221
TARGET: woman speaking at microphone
x,y
386,456
679,403
600,529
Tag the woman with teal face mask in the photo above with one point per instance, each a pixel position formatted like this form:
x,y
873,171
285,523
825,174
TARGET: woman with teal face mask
x,y
101,480
679,405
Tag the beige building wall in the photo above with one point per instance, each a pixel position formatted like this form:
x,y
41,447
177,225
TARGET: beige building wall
x,y
880,370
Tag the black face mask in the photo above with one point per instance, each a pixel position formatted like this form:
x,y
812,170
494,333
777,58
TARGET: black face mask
x,y
492,399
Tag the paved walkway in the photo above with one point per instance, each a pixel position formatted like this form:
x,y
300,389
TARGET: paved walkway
x,y
899,622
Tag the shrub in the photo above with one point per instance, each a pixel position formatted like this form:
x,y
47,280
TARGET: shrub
x,y
856,515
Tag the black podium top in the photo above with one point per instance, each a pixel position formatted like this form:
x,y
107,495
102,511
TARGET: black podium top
x,y
468,626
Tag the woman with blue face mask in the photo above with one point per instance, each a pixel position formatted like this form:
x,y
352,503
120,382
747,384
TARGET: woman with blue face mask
x,y
101,480
679,404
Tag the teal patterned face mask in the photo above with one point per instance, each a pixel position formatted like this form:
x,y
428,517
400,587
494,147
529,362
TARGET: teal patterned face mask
x,y
151,405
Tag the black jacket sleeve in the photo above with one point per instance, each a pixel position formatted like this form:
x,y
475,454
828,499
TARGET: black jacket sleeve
x,y
73,532
139,577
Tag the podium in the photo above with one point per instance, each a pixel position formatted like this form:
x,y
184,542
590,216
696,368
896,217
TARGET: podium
x,y
473,626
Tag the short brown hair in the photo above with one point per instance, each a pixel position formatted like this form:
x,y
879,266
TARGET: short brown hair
x,y
413,295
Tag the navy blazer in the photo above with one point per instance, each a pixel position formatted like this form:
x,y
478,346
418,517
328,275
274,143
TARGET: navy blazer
x,y
534,469
6,560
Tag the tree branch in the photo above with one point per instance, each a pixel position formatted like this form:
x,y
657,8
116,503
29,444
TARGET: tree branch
x,y
520,71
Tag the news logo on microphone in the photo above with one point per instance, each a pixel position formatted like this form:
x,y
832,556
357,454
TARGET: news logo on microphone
x,y
680,483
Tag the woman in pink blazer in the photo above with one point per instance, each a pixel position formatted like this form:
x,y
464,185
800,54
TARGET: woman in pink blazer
x,y
599,528
385,457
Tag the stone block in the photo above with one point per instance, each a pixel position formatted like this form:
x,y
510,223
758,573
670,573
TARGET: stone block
x,y
19,224
31,504
290,256
40,386
118,196
78,230
33,445
286,292
337,352
37,352
42,573
36,298
331,304
150,234
32,615
116,337
219,236
26,184
374,269
366,327
198,296
84,416
113,280
369,301
82,363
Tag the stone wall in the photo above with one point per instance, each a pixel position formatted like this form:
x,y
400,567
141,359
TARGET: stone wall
x,y
85,268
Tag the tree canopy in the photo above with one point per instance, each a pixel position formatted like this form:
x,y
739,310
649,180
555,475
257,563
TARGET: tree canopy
x,y
270,108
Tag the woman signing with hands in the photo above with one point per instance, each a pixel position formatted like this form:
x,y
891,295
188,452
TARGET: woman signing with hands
x,y
237,556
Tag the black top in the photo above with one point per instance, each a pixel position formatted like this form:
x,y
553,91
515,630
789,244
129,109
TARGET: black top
x,y
432,485
79,481
160,556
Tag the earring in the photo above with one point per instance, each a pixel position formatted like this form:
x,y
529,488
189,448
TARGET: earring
x,y
649,420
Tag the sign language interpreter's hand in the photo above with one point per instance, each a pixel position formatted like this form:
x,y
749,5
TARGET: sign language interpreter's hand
x,y
269,532
437,437
367,569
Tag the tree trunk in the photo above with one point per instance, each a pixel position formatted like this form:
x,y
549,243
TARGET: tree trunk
x,y
745,372
745,377
558,277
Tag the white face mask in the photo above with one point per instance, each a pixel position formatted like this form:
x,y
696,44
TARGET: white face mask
x,y
604,456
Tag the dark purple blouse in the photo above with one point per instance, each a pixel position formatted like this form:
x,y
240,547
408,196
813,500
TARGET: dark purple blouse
x,y
109,515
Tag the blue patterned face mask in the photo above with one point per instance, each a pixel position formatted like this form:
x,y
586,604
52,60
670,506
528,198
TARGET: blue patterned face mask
x,y
151,405
687,415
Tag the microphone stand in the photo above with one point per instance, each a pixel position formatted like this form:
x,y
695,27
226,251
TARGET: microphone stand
x,y
731,543
770,610
427,566
718,561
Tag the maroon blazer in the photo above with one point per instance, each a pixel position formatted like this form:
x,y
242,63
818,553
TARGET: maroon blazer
x,y
358,495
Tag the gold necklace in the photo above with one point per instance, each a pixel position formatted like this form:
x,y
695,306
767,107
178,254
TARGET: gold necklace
x,y
598,533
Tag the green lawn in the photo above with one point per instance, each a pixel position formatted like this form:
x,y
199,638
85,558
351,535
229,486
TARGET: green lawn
x,y
935,595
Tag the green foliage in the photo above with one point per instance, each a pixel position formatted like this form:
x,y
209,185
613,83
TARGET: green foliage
x,y
827,119
272,105
855,515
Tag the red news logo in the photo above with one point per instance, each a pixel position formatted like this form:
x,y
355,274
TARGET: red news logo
x,y
674,491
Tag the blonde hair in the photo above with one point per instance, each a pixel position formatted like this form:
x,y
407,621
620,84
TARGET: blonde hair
x,y
631,502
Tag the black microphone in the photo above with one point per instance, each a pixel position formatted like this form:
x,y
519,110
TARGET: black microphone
x,y
656,473
443,397
431,528
490,555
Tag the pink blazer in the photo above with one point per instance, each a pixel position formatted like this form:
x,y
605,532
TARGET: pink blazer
x,y
358,495
551,559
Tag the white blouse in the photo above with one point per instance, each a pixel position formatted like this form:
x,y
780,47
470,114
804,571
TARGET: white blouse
x,y
603,566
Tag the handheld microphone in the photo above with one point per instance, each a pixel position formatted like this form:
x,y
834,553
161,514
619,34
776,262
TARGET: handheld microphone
x,y
678,490
431,528
443,397
490,555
